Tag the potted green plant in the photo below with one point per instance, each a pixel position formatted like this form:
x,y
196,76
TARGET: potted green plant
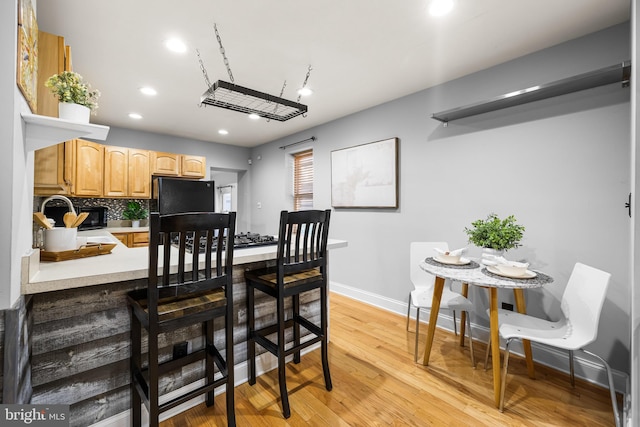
x,y
76,98
135,212
495,233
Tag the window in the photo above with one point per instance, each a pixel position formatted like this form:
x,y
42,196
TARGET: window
x,y
303,180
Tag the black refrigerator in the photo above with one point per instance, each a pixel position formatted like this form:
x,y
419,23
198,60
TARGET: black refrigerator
x,y
178,195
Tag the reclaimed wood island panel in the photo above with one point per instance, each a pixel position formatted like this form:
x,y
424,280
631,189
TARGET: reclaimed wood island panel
x,y
80,335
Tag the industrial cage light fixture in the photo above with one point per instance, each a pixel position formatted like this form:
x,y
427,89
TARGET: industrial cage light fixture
x,y
239,98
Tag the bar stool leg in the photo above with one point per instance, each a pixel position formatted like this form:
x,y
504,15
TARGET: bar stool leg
x,y
325,344
136,362
208,367
251,343
282,379
296,326
154,410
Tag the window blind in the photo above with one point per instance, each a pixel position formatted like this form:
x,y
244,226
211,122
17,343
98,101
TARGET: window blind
x,y
303,180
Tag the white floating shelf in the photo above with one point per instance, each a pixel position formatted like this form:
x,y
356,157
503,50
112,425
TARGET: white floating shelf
x,y
44,131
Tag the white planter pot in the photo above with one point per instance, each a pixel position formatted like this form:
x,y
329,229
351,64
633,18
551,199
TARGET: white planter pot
x,y
73,112
491,253
135,223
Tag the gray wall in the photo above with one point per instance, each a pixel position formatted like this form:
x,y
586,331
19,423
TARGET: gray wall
x,y
561,166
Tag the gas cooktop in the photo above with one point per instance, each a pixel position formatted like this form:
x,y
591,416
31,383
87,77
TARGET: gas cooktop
x,y
242,240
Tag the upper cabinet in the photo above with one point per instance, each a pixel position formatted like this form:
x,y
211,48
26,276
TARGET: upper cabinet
x,y
139,174
126,172
72,168
178,165
116,171
89,168
193,166
55,58
166,164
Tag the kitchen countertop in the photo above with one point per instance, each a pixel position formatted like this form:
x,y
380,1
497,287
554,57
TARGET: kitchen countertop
x,y
121,264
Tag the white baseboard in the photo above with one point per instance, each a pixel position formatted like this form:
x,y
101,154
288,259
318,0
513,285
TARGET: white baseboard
x,y
585,369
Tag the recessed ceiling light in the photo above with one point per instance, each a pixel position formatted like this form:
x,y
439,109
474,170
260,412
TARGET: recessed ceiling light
x,y
440,7
148,91
223,132
135,116
176,45
305,91
254,116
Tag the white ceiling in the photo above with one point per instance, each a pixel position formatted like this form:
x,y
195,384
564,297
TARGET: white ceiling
x,y
363,53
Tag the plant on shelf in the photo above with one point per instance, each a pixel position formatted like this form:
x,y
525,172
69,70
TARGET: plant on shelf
x,y
495,233
134,211
69,87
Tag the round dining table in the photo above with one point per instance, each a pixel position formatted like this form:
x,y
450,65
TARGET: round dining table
x,y
470,272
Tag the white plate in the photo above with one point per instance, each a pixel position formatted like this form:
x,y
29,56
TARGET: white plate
x,y
527,274
463,261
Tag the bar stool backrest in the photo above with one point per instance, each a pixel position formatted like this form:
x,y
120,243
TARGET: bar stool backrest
x,y
203,269
302,241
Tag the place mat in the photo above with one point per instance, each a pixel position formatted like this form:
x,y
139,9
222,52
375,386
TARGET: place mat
x,y
472,264
540,279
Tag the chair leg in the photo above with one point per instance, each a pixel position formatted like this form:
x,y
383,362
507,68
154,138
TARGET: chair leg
x,y
296,326
408,310
415,351
325,344
251,343
612,390
572,374
504,374
455,324
487,355
282,379
473,359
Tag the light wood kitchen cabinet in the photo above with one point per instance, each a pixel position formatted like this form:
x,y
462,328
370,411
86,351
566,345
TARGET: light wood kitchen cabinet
x,y
135,239
72,168
53,58
116,171
167,164
53,170
193,166
126,173
139,173
89,169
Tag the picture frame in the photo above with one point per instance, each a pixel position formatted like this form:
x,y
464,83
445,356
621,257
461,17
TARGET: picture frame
x,y
27,51
365,176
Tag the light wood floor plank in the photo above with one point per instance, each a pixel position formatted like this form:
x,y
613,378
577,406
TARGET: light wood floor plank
x,y
376,383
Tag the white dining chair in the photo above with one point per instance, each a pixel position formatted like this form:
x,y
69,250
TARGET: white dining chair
x,y
422,294
581,306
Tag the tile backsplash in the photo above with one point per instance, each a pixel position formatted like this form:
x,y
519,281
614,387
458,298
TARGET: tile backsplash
x,y
115,206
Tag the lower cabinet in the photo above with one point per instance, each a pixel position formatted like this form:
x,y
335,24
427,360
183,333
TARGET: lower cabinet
x,y
135,239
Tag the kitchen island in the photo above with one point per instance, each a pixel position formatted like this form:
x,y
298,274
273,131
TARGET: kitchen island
x,y
77,321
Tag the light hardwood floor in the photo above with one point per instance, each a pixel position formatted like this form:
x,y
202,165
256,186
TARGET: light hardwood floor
x,y
376,383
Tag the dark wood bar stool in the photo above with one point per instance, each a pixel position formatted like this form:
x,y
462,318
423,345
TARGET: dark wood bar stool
x,y
177,298
301,266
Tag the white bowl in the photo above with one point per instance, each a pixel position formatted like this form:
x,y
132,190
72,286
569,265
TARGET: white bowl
x,y
512,270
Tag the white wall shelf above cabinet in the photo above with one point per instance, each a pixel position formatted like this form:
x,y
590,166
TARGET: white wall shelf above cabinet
x,y
44,131
619,73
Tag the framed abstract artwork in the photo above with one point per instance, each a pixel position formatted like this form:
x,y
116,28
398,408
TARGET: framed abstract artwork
x,y
27,69
365,176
